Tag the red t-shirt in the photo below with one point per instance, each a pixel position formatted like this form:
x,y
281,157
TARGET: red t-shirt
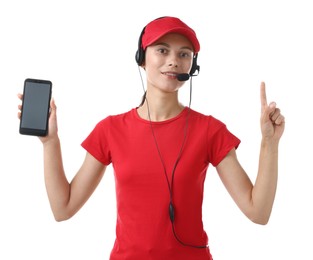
x,y
143,229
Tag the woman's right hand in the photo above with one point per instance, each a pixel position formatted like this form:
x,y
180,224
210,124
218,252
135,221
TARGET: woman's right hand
x,y
53,125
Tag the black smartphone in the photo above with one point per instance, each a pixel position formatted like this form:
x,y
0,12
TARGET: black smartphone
x,y
35,107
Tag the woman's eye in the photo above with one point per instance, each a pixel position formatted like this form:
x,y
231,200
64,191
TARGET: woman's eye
x,y
162,50
185,54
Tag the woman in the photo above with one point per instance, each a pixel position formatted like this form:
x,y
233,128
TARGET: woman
x,y
160,152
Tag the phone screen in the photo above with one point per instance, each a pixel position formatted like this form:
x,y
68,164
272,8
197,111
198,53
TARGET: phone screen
x,y
35,107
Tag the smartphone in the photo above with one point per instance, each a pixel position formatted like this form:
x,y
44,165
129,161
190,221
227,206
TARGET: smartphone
x,y
35,107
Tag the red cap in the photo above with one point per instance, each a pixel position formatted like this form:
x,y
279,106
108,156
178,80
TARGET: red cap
x,y
159,27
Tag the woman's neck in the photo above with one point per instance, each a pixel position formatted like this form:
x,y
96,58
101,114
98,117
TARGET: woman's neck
x,y
160,108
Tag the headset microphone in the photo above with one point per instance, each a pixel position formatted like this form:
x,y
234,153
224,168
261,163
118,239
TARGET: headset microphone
x,y
194,68
183,77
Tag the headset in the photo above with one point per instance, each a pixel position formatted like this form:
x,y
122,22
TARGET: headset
x,y
140,55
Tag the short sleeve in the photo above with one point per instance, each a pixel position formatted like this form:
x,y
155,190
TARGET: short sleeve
x,y
220,142
97,143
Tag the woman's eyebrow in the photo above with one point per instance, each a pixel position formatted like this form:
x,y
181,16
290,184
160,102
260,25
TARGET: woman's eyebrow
x,y
168,46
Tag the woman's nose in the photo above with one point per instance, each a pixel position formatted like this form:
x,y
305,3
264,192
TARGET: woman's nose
x,y
172,62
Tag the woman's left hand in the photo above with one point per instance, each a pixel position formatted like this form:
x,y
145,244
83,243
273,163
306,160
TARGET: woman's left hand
x,y
272,121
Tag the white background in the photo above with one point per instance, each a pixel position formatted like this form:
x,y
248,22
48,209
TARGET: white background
x,y
87,48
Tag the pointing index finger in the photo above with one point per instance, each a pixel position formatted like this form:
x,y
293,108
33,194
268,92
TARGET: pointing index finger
x,y
263,96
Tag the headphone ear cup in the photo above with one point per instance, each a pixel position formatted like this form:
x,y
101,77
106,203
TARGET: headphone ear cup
x,y
140,53
195,67
140,56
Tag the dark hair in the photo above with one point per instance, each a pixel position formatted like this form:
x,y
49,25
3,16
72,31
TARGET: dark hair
x,y
143,99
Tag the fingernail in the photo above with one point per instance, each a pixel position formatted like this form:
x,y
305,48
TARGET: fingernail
x,y
272,105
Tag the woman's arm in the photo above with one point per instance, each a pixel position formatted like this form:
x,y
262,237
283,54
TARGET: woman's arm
x,y
66,198
256,201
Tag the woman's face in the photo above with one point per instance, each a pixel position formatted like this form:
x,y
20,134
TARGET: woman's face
x,y
172,54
